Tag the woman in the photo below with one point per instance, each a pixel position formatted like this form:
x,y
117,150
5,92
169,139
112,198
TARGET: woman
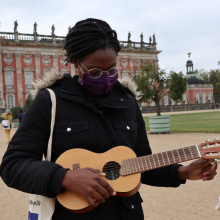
x,y
94,112
7,116
20,116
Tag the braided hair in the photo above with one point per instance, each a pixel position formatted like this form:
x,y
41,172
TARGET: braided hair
x,y
87,36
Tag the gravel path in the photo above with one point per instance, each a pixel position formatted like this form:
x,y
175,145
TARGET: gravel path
x,y
195,200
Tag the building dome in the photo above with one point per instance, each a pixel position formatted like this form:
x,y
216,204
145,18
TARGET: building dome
x,y
189,62
194,79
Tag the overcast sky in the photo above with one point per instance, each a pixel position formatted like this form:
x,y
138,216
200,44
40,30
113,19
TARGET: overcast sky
x,y
180,26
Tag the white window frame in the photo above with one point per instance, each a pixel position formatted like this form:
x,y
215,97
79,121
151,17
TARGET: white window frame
x,y
165,99
28,79
125,73
184,98
197,97
9,78
203,97
209,96
10,101
152,103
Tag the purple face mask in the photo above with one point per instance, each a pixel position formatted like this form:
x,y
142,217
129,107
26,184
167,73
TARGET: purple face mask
x,y
99,86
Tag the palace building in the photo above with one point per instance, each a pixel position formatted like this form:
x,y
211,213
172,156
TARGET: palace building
x,y
25,57
198,92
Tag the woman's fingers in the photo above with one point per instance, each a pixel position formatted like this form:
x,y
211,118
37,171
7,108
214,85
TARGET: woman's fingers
x,y
103,183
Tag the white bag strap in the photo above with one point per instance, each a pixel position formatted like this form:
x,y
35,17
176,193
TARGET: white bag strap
x,y
53,114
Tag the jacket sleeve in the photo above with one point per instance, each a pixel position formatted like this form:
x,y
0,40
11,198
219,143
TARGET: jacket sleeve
x,y
166,176
22,167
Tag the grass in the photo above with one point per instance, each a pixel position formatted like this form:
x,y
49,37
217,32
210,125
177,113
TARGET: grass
x,y
205,122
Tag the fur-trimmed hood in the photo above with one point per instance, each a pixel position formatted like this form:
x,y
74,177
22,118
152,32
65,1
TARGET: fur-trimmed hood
x,y
51,77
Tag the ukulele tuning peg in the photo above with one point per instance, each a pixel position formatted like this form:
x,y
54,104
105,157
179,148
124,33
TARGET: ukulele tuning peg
x,y
213,161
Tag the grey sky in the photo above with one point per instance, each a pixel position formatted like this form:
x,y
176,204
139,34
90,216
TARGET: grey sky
x,y
179,26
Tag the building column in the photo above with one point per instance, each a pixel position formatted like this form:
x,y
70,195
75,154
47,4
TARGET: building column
x,y
19,91
55,62
73,70
132,70
2,102
37,65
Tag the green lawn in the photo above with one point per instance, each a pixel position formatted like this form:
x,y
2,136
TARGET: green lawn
x,y
207,122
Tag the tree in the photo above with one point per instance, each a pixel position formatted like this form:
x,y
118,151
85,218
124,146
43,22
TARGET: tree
x,y
213,77
28,102
177,87
14,110
155,83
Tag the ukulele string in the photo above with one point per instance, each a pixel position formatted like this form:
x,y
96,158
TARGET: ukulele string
x,y
152,160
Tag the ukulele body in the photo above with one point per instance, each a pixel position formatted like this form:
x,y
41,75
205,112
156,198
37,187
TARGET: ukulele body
x,y
110,163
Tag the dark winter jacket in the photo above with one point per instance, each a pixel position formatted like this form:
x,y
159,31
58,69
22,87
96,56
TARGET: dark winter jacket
x,y
96,125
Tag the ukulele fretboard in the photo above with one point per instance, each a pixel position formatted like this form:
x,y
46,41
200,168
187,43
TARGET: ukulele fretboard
x,y
150,162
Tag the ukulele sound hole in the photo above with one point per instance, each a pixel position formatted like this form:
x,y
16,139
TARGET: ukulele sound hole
x,y
112,170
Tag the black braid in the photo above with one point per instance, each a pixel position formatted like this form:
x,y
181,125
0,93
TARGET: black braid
x,y
87,36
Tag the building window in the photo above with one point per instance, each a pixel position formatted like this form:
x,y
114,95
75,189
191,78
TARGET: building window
x,y
137,63
209,97
165,100
152,103
184,98
203,97
172,102
9,80
10,101
28,79
137,73
125,73
197,98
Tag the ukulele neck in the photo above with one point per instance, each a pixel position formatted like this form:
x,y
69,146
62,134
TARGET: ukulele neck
x,y
153,161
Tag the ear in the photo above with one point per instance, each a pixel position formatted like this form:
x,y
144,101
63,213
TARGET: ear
x,y
75,63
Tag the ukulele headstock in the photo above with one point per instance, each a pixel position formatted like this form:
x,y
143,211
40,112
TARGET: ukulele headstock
x,y
210,149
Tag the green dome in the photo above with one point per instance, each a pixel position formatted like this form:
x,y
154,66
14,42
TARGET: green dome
x,y
194,79
189,62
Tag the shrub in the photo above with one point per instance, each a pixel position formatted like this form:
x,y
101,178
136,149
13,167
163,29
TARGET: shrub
x,y
28,102
15,110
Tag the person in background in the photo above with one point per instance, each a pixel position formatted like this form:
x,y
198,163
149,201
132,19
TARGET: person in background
x,y
20,116
96,112
7,116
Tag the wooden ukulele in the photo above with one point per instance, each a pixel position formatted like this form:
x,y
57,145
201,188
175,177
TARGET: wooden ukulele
x,y
123,169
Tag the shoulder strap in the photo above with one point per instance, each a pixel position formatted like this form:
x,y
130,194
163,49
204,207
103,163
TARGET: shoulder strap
x,y
53,114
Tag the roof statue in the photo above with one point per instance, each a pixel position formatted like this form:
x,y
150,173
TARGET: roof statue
x,y
16,26
189,54
35,27
150,40
154,39
129,36
142,37
53,29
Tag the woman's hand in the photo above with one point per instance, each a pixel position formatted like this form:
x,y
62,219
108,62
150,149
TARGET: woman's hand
x,y
89,184
199,169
